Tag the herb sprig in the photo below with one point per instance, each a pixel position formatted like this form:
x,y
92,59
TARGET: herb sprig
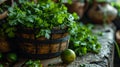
x,y
83,40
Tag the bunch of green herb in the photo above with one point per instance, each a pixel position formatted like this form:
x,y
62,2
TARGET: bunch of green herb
x,y
44,16
33,63
83,41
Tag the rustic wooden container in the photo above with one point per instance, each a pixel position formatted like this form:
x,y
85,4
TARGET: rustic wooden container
x,y
42,48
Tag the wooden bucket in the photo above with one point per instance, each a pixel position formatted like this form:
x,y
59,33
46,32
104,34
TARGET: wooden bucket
x,y
42,48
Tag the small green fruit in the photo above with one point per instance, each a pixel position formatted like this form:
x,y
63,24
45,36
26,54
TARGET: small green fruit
x,y
68,56
11,57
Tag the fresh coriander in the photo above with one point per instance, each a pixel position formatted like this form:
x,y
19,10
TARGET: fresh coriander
x,y
43,16
83,41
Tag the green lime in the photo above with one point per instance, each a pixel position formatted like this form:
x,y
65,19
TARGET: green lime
x,y
68,56
11,57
